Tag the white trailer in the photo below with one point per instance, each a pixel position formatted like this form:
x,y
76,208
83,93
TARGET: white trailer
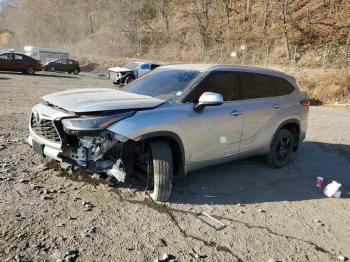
x,y
46,55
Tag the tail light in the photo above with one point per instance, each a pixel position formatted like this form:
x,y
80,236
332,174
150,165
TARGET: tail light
x,y
305,102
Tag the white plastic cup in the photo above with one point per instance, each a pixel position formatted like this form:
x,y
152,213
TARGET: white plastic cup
x,y
337,194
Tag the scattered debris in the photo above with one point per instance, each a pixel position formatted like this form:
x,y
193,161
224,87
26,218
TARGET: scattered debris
x,y
19,217
89,232
211,221
165,256
22,235
45,197
71,256
342,258
2,147
240,212
261,210
61,225
319,181
272,260
331,189
162,243
87,205
23,181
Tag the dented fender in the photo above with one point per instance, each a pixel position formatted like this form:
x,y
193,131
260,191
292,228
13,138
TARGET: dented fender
x,y
169,119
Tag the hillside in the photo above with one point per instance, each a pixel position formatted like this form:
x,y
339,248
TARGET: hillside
x,y
312,33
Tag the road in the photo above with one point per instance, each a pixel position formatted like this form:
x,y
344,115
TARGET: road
x,y
268,213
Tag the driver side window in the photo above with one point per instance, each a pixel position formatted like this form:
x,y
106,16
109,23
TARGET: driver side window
x,y
222,82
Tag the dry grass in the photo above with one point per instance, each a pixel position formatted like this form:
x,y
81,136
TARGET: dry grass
x,y
325,86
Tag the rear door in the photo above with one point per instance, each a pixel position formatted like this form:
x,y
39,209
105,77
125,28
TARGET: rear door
x,y
261,103
7,62
216,132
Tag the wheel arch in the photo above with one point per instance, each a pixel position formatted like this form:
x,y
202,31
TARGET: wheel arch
x,y
292,125
176,145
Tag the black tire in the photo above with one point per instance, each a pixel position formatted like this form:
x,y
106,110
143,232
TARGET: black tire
x,y
128,80
281,149
52,69
69,72
30,70
76,71
162,167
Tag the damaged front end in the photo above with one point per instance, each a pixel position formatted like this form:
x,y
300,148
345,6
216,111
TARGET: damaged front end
x,y
84,142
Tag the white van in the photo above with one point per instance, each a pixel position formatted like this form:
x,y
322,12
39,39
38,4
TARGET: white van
x,y
46,55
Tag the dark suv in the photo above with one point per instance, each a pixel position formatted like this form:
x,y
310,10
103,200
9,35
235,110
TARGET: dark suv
x,y
63,65
20,63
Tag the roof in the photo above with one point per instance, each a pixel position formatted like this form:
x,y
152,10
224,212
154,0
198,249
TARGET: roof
x,y
237,68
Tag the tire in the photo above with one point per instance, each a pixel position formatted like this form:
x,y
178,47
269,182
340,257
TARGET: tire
x,y
162,167
52,69
128,80
69,72
76,71
281,149
30,70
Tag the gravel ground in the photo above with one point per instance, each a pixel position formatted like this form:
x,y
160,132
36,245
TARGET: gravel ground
x,y
270,215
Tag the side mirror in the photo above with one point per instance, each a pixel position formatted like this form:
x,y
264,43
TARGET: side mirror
x,y
208,99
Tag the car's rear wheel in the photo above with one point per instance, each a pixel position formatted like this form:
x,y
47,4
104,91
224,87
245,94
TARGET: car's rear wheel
x,y
30,70
76,71
281,149
159,169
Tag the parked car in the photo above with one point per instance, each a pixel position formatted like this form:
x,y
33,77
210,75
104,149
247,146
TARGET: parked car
x,y
19,63
129,72
175,119
63,65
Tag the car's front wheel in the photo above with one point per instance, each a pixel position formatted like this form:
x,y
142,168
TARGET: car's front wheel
x,y
128,80
76,71
281,149
160,171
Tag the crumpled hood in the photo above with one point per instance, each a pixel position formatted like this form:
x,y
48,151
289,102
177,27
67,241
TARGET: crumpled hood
x,y
100,99
119,69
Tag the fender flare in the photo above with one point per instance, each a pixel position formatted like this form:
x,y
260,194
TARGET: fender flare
x,y
289,121
170,135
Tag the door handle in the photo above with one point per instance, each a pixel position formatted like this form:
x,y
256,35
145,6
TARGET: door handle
x,y
276,106
236,113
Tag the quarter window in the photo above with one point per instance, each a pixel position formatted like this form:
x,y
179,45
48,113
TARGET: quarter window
x,y
221,82
5,57
260,86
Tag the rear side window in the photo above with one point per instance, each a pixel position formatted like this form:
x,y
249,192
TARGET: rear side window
x,y
221,82
5,57
260,86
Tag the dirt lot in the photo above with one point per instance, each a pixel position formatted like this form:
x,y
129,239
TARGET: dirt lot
x,y
270,215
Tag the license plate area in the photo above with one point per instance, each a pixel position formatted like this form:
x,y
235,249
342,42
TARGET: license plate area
x,y
38,148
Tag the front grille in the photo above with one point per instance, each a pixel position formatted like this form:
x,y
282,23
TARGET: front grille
x,y
45,128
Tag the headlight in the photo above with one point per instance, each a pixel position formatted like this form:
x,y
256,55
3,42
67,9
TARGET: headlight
x,y
95,123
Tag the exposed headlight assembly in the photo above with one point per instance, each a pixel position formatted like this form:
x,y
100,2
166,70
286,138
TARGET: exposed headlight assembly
x,y
93,123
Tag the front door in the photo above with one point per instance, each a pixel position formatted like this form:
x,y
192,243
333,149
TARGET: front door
x,y
215,133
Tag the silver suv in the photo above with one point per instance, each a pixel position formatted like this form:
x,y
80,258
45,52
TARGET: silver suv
x,y
174,120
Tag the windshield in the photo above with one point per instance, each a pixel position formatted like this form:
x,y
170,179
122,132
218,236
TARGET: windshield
x,y
131,66
163,83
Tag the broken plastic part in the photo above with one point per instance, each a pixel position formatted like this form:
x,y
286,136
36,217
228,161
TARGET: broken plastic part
x,y
206,218
117,171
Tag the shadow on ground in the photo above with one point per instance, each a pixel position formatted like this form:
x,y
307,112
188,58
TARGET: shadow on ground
x,y
41,74
250,180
